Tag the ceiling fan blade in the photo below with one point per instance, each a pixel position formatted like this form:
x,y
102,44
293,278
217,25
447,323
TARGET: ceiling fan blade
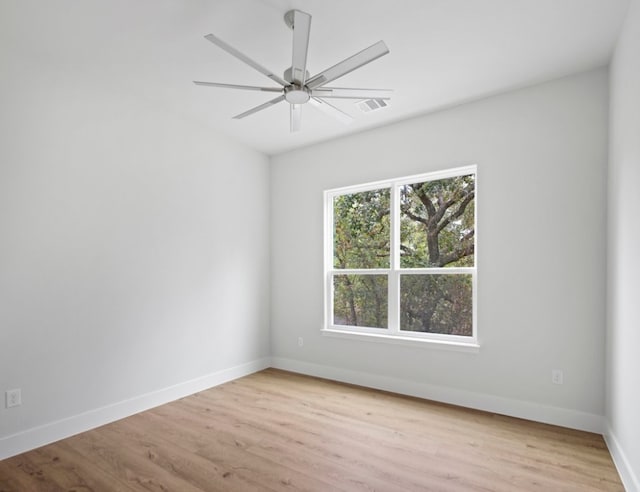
x,y
235,86
365,56
301,31
344,93
331,110
240,56
295,114
266,105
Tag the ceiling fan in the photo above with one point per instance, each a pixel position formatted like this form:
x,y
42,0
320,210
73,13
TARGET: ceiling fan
x,y
297,87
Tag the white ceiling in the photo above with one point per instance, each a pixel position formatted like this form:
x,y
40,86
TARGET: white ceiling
x,y
442,52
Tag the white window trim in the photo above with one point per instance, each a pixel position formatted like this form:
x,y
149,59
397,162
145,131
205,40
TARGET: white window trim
x,y
392,334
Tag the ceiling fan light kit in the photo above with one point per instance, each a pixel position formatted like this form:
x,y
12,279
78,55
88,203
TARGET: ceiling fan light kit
x,y
297,87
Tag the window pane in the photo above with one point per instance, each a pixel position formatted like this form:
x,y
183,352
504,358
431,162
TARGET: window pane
x,y
361,230
360,300
437,223
436,304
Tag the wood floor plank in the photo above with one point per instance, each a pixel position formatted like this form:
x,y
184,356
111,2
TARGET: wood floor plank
x,y
230,449
130,461
339,460
65,469
276,430
179,458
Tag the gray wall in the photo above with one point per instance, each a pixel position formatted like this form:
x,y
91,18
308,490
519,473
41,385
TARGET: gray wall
x,y
623,336
130,256
541,154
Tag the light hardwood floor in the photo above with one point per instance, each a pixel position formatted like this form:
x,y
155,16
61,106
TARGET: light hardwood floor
x,y
276,430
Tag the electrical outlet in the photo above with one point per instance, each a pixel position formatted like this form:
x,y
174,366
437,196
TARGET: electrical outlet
x,y
557,376
13,397
300,341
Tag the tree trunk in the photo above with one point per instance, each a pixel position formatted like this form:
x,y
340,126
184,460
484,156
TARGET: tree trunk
x,y
351,301
432,244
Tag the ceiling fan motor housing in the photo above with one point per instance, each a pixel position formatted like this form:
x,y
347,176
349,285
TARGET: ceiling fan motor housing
x,y
295,94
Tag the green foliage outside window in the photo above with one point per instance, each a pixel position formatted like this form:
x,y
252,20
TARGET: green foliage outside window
x,y
437,223
360,300
436,304
361,233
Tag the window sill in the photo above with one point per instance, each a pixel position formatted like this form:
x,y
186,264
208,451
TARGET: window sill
x,y
469,347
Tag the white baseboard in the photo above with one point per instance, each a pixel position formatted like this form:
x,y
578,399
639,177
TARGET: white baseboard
x,y
54,431
515,408
629,478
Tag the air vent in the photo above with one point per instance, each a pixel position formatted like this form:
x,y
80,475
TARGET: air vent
x,y
369,105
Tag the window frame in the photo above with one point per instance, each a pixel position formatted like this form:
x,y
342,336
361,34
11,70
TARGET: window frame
x,y
393,333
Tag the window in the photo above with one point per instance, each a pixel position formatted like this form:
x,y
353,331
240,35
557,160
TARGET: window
x,y
400,258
